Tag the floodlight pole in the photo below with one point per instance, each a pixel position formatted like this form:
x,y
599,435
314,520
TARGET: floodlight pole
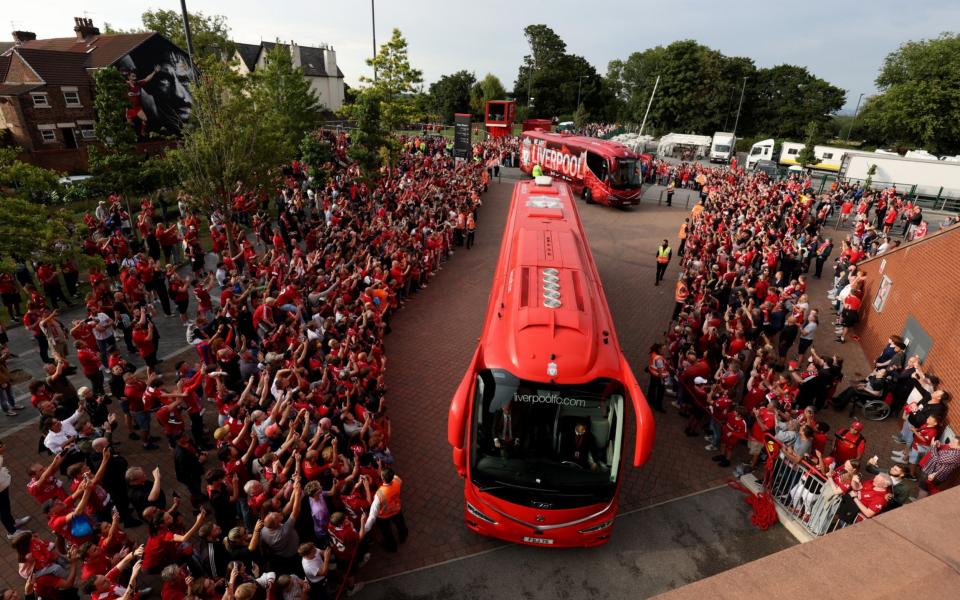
x,y
649,104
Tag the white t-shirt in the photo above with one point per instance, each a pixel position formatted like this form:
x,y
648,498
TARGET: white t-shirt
x,y
103,331
313,566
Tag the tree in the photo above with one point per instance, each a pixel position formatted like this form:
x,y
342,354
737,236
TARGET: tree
x,y
316,153
395,85
552,77
26,181
284,97
786,98
919,99
451,94
227,147
581,116
488,88
699,88
42,233
807,156
370,144
210,34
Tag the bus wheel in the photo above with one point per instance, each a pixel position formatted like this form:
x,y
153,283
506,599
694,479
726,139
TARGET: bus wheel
x,y
587,195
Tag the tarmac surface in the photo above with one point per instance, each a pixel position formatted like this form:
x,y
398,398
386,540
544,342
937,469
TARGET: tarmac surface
x,y
652,550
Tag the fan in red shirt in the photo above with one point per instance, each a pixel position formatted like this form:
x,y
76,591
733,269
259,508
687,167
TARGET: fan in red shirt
x,y
91,366
734,430
850,443
347,542
144,340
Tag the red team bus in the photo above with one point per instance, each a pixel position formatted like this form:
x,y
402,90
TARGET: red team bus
x,y
598,170
537,422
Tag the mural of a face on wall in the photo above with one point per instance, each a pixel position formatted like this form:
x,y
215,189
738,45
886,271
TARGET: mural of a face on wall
x,y
165,97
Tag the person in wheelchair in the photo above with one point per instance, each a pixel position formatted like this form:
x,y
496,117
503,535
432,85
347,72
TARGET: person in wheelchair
x,y
579,448
871,388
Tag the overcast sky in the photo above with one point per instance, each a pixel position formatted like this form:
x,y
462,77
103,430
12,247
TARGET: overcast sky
x,y
842,41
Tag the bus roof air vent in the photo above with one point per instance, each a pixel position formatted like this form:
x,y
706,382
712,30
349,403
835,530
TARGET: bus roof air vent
x,y
551,288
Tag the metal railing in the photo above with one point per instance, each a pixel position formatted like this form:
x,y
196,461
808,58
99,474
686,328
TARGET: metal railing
x,y
802,491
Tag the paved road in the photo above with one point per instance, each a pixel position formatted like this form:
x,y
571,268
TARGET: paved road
x,y
652,551
172,341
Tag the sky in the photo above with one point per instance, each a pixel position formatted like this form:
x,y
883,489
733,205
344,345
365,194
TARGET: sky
x,y
843,42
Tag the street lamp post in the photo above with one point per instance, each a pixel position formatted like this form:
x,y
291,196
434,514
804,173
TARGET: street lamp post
x,y
579,84
739,106
373,26
186,32
854,119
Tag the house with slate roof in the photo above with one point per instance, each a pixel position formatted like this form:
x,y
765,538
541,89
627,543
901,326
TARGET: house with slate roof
x,y
319,68
46,89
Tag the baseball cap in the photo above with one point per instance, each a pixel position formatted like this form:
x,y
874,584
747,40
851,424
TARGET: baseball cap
x,y
856,425
793,364
699,380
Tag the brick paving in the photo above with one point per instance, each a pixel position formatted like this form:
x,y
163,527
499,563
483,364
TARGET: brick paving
x,y
432,341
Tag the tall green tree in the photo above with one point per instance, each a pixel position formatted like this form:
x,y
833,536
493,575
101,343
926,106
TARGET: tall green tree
x,y
919,100
284,97
451,94
552,77
699,87
488,88
371,144
210,34
786,98
227,146
395,86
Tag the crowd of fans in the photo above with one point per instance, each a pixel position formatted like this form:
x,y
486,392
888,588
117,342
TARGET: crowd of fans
x,y
740,354
288,481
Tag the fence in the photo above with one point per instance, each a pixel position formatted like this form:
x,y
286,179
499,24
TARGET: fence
x,y
802,491
929,197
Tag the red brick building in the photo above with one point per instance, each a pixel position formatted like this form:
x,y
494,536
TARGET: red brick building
x,y
911,291
46,89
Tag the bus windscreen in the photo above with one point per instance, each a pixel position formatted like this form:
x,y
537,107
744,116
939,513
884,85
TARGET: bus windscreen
x,y
626,174
550,446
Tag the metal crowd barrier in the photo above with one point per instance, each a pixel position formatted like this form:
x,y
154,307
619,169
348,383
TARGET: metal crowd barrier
x,y
802,491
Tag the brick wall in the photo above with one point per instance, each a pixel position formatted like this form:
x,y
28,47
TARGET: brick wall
x,y
925,277
58,112
74,162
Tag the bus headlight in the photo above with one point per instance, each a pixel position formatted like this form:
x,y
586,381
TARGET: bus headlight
x,y
599,527
475,512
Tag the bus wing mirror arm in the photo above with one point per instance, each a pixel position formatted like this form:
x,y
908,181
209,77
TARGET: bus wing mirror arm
x,y
641,411
457,417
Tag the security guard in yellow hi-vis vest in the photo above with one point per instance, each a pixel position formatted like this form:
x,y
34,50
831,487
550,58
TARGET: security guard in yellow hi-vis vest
x,y
537,171
663,259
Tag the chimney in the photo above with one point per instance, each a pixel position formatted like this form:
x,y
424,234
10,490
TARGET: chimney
x,y
20,37
84,28
295,54
330,61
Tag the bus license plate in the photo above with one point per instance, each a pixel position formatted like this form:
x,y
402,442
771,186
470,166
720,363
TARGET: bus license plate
x,y
536,540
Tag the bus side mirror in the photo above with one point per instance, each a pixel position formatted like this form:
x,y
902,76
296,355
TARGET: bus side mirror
x,y
641,410
457,417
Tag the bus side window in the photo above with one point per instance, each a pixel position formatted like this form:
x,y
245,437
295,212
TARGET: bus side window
x,y
597,164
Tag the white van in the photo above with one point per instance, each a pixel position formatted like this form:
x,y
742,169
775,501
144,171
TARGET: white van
x,y
723,148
